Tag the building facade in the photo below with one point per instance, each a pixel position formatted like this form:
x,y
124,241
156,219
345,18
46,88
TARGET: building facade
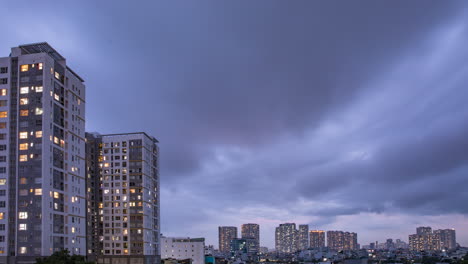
x,y
125,209
183,248
286,238
303,242
225,235
427,240
317,238
340,240
42,149
251,231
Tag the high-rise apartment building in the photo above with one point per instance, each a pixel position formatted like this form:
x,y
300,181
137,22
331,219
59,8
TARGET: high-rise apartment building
x,y
339,240
226,235
251,231
286,238
303,242
317,238
426,240
42,148
446,239
123,185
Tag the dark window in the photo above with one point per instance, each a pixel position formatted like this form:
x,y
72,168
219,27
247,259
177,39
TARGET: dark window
x,y
3,80
2,158
2,193
3,147
3,102
3,70
2,169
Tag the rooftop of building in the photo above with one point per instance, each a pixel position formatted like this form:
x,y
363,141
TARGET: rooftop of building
x,y
44,47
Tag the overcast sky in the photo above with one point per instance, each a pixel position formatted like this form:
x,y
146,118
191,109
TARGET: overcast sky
x,y
344,115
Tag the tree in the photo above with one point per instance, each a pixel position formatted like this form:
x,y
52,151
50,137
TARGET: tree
x,y
63,257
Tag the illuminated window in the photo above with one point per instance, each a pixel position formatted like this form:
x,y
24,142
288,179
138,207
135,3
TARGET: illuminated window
x,y
24,112
38,191
23,250
24,67
23,180
2,181
3,92
1,216
23,146
23,215
39,66
56,195
23,135
38,134
38,111
38,89
23,227
24,101
73,229
3,114
24,90
23,158
57,75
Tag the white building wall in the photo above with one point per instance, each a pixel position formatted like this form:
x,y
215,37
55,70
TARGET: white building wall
x,y
183,248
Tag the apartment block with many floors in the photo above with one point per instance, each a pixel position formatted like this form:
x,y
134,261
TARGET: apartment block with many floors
x,y
42,149
123,187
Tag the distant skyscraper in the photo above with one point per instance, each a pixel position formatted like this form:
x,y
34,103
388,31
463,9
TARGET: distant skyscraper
x,y
317,238
423,230
251,231
426,240
339,240
126,222
42,147
303,242
446,238
286,238
226,234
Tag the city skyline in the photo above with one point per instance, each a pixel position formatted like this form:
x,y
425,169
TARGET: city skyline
x,y
267,119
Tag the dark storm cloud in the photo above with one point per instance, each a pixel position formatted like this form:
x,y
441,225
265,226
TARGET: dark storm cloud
x,y
320,109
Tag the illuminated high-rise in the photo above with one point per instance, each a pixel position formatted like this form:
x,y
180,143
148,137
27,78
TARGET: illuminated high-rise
x,y
286,238
226,235
317,238
123,192
251,231
42,149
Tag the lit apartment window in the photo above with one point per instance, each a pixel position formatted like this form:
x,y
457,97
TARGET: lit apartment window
x,y
38,191
24,90
39,66
38,111
24,67
23,227
24,101
23,135
3,114
24,112
23,158
73,229
3,92
23,180
23,250
23,215
38,134
23,146
39,89
1,215
2,181
2,125
57,75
